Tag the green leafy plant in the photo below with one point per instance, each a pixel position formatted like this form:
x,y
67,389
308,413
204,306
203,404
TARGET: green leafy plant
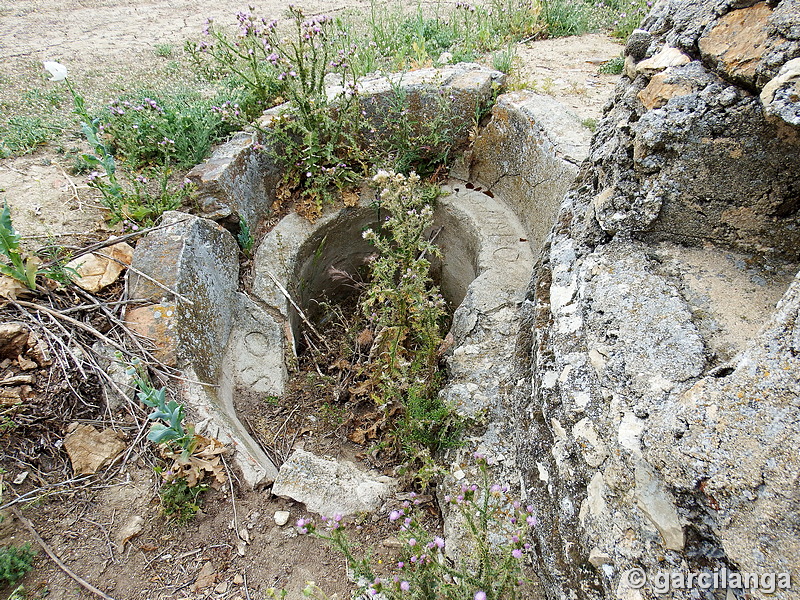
x,y
406,311
170,413
503,60
22,134
180,502
566,17
22,268
163,50
488,565
412,138
193,456
149,129
15,562
134,202
613,66
245,237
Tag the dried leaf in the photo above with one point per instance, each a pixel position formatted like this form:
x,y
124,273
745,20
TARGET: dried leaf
x,y
10,288
350,198
206,578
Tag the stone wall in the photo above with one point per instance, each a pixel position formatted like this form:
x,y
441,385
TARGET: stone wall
x,y
644,443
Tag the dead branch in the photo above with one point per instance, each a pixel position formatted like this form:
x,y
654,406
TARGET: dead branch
x,y
82,582
298,309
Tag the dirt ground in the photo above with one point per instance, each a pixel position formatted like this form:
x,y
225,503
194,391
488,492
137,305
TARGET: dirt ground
x,y
108,45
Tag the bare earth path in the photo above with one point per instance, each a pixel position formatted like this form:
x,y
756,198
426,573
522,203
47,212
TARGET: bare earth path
x,y
108,46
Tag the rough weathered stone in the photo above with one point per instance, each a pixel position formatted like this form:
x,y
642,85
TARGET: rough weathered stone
x,y
660,90
651,433
736,43
156,323
737,444
638,43
330,487
665,58
196,264
237,182
13,339
781,96
529,154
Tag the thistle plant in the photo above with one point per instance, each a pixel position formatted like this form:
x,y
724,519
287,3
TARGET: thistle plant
x,y
488,565
314,136
406,311
134,202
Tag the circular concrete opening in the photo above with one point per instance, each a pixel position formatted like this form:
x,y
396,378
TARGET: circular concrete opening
x,y
333,263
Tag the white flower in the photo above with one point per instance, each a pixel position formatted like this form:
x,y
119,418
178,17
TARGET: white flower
x,y
382,176
57,70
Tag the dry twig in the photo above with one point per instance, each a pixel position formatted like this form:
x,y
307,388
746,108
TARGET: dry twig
x,y
82,582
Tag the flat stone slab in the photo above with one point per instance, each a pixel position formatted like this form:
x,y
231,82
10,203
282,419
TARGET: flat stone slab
x,y
329,487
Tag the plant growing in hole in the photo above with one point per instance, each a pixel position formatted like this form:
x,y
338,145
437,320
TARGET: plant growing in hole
x,y
405,310
488,565
245,237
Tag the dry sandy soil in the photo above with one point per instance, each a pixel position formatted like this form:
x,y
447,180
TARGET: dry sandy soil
x,y
108,45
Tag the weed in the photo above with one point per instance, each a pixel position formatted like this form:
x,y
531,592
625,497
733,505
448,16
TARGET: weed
x,y
135,202
23,268
613,66
566,17
503,60
623,16
163,50
23,134
15,562
180,502
405,310
247,58
147,129
590,124
193,456
39,98
245,237
412,138
20,593
495,530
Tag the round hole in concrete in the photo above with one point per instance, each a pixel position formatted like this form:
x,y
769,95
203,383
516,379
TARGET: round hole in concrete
x,y
333,261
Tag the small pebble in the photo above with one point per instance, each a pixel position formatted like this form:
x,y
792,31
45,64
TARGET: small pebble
x,y
281,518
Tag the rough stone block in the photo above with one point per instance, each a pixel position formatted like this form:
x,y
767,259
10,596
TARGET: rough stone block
x,y
329,487
238,181
529,154
196,264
